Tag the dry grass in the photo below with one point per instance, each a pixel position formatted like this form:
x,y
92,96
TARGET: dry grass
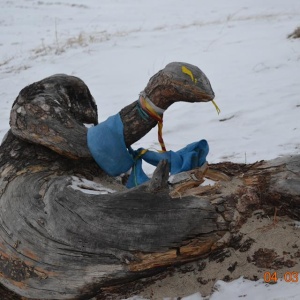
x,y
6,61
60,46
295,34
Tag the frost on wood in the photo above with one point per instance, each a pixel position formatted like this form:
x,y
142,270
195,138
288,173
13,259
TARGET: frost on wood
x,y
89,187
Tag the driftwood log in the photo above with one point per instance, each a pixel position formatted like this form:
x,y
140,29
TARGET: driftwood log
x,y
69,231
80,253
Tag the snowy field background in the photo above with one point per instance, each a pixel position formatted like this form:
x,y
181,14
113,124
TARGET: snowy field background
x,y
116,46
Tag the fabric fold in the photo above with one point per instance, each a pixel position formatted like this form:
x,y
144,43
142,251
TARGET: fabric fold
x,y
107,146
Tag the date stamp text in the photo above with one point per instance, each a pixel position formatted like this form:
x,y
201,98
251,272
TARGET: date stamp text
x,y
271,277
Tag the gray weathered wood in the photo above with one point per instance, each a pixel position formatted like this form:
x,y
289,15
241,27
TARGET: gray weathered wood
x,y
58,242
69,231
61,239
52,233
166,87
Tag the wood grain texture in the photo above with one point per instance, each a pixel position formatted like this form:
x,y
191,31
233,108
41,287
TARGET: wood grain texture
x,y
166,87
57,242
69,231
52,233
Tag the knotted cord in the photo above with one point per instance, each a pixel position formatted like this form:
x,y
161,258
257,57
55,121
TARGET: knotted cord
x,y
147,108
155,113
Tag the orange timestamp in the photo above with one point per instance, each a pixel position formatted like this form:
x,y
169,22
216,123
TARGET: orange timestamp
x,y
287,277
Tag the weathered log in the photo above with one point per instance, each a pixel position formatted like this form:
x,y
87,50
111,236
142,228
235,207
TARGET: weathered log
x,y
51,112
69,231
96,242
45,163
176,82
53,230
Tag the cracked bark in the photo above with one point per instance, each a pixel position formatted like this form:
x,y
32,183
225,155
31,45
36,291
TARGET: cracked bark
x,y
62,235
61,242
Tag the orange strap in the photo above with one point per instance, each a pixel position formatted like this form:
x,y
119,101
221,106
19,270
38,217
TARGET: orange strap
x,y
155,113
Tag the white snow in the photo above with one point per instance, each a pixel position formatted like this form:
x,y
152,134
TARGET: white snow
x,y
248,290
115,46
89,187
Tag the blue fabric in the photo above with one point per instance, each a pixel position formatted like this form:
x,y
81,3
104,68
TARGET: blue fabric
x,y
137,175
187,158
107,146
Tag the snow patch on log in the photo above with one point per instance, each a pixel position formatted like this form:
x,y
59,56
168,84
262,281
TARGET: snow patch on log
x,y
89,187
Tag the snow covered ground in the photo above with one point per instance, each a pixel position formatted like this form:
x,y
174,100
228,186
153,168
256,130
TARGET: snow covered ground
x,y
246,290
115,46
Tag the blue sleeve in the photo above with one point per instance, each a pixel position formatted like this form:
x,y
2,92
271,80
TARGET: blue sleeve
x,y
107,146
187,158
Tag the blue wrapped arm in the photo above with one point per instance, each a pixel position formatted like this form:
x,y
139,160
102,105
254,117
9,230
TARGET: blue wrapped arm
x,y
107,146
